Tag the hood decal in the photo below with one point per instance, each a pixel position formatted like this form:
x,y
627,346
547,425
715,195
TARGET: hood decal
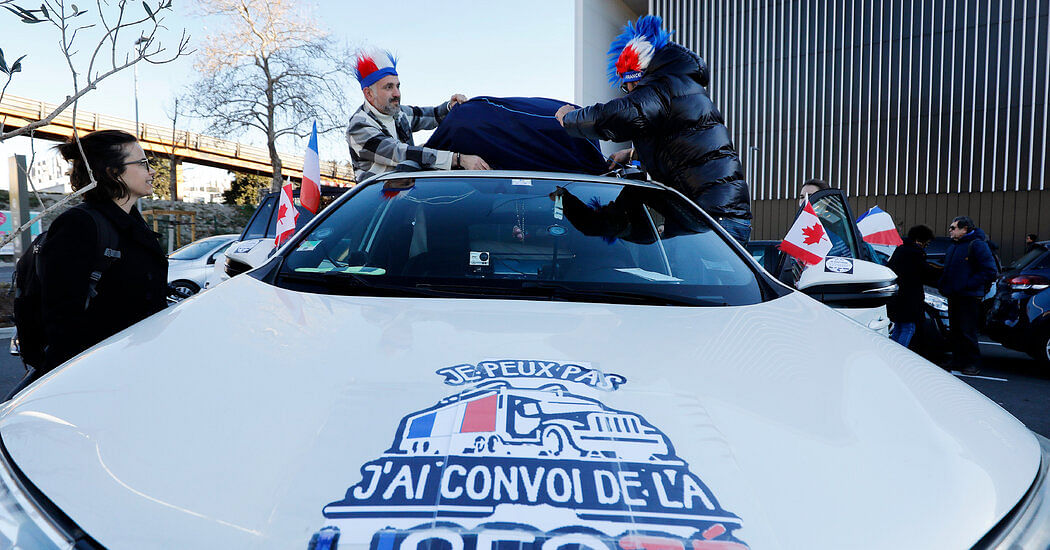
x,y
526,451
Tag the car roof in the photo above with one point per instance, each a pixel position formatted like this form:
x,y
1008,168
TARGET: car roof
x,y
515,174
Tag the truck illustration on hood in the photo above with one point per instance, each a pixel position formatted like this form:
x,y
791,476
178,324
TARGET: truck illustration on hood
x,y
499,420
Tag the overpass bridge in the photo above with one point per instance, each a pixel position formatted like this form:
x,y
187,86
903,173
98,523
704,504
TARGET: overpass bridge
x,y
17,112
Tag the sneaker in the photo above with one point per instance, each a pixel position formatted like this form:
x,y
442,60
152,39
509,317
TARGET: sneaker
x,y
971,371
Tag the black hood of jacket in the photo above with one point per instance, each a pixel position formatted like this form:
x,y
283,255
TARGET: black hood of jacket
x,y
678,133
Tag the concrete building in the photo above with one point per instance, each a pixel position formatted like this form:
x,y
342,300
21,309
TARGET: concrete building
x,y
928,109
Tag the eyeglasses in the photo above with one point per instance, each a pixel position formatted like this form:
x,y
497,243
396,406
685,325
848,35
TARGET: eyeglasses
x,y
144,162
952,228
623,88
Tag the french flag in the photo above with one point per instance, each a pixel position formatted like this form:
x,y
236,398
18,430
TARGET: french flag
x,y
876,227
310,193
478,415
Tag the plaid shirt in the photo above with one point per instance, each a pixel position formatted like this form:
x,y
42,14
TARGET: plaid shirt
x,y
374,151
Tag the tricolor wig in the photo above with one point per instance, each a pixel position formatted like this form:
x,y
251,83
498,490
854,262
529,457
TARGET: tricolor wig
x,y
372,65
631,52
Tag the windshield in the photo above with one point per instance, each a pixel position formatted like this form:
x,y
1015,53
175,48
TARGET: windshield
x,y
518,238
197,249
1029,257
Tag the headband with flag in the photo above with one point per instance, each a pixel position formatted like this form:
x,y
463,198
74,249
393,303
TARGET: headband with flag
x,y
631,51
372,65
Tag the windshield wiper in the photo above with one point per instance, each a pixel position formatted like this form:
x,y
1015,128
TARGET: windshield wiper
x,y
357,284
571,293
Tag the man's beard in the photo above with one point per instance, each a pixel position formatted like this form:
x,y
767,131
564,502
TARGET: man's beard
x,y
391,108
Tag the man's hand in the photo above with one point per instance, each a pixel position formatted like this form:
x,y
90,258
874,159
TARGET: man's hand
x,y
473,162
562,111
456,100
622,156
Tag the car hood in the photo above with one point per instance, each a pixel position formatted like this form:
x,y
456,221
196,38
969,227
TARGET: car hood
x,y
777,425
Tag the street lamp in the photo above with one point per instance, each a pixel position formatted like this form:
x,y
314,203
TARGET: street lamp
x,y
139,44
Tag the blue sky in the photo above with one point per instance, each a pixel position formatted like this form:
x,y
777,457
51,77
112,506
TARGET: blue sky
x,y
501,48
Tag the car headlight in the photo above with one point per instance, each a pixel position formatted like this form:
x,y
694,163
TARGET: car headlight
x,y
1028,524
940,303
22,523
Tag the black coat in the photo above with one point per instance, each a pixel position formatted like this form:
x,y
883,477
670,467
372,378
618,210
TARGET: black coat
x,y
131,289
679,135
909,263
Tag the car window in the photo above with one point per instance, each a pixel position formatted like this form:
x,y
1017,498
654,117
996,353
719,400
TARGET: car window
x,y
256,228
834,216
196,249
1042,263
524,238
1031,256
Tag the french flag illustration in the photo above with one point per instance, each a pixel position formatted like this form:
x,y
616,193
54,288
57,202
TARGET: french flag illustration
x,y
876,227
310,192
478,415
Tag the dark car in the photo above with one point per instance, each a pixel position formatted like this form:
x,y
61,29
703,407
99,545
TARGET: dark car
x,y
938,247
1019,314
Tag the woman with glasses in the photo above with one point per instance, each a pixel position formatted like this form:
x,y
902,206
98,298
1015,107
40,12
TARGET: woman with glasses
x,y
101,268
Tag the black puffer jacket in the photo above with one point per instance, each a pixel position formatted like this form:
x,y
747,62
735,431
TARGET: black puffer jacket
x,y
131,289
678,134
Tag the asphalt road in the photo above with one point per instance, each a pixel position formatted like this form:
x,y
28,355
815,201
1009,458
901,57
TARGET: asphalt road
x,y
1011,379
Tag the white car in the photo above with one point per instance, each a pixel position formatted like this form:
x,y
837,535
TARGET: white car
x,y
189,266
472,360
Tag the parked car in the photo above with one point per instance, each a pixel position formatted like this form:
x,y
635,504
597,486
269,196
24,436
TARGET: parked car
x,y
860,286
190,266
1019,317
456,359
256,243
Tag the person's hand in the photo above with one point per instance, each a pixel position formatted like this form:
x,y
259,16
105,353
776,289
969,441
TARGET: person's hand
x,y
562,111
622,156
456,100
473,162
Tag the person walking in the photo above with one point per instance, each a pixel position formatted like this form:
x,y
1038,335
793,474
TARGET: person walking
x,y
380,131
679,135
81,303
909,263
968,268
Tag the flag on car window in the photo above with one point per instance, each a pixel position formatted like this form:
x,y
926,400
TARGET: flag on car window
x,y
807,240
310,192
876,227
287,213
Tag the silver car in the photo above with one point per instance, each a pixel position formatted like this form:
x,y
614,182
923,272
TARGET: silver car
x,y
189,266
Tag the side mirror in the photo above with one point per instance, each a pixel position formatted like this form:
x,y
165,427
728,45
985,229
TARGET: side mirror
x,y
849,283
213,257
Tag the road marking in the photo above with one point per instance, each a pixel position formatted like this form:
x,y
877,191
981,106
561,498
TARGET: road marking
x,y
957,373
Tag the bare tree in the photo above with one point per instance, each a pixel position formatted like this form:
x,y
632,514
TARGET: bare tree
x,y
118,40
270,70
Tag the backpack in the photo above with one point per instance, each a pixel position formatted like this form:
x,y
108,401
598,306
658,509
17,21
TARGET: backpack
x,y
28,301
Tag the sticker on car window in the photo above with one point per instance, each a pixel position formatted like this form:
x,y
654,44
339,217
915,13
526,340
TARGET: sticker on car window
x,y
521,182
307,246
479,258
528,451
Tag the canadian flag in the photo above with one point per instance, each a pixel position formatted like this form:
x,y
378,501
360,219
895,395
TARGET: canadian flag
x,y
807,240
287,214
310,192
876,227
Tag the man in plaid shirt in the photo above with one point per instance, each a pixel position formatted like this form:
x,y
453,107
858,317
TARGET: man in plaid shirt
x,y
380,131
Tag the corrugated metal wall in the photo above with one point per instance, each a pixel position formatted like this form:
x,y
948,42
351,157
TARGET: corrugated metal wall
x,y
928,108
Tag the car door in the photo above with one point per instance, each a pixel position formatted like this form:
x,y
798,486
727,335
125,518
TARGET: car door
x,y
837,217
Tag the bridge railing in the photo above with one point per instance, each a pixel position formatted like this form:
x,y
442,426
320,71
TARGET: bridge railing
x,y
33,110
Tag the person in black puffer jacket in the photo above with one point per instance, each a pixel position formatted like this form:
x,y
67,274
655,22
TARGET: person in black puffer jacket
x,y
679,135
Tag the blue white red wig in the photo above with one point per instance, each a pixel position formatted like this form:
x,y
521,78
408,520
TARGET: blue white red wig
x,y
372,65
631,52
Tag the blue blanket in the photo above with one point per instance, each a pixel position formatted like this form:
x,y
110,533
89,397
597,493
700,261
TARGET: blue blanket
x,y
516,133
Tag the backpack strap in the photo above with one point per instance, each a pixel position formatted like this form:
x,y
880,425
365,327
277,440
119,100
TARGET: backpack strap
x,y
108,249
